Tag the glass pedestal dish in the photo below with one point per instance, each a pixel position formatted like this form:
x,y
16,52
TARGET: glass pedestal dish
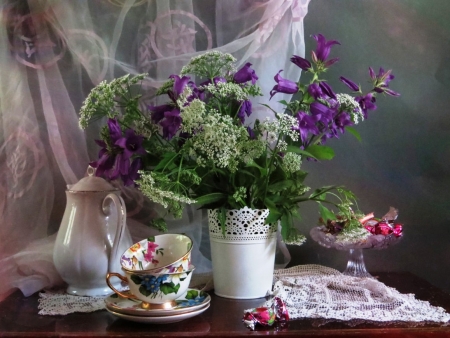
x,y
355,265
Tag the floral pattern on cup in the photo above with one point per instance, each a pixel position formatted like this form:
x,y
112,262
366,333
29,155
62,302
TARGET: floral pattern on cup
x,y
155,285
166,253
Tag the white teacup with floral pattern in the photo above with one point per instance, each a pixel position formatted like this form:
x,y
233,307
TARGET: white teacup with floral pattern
x,y
167,253
155,290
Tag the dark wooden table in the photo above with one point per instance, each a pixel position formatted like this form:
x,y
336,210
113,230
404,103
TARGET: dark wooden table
x,y
19,318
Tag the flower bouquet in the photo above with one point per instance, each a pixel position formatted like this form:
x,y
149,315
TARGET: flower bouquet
x,y
198,147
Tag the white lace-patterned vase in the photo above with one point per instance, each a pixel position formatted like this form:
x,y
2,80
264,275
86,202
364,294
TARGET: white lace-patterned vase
x,y
243,257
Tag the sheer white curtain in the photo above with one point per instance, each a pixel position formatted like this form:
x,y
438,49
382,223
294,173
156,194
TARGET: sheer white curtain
x,y
53,52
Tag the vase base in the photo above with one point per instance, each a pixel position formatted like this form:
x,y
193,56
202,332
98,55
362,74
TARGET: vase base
x,y
238,297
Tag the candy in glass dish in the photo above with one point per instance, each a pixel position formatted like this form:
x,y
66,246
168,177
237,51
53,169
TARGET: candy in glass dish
x,y
369,233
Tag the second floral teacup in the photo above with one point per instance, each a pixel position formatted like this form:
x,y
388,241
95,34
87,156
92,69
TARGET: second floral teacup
x,y
167,253
155,290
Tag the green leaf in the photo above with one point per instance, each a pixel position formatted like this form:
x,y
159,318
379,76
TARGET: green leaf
x,y
211,198
321,152
280,186
165,160
222,216
286,223
284,102
354,132
274,216
325,213
297,150
316,194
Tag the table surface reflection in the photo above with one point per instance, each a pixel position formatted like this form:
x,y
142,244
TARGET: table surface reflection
x,y
19,318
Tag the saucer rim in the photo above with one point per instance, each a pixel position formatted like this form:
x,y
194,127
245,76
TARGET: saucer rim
x,y
156,312
159,319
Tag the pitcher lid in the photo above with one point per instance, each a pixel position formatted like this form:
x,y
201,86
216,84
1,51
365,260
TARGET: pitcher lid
x,y
92,183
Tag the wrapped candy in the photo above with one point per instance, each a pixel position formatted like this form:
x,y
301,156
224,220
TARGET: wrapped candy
x,y
385,226
276,314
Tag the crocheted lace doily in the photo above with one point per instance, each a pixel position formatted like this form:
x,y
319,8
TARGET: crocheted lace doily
x,y
60,303
314,291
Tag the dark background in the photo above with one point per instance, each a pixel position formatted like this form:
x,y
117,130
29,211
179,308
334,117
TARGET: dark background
x,y
403,159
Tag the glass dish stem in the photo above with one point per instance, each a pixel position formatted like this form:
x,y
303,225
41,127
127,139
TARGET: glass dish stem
x,y
355,265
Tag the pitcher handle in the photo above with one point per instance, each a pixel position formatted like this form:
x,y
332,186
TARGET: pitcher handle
x,y
123,279
121,225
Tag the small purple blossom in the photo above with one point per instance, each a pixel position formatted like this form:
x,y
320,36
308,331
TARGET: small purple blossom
x,y
179,83
381,81
157,112
315,91
245,109
301,62
307,125
341,121
283,86
366,102
324,113
171,123
131,143
245,74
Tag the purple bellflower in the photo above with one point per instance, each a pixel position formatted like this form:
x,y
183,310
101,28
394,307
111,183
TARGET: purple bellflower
x,y
245,74
115,163
381,81
323,50
179,83
283,86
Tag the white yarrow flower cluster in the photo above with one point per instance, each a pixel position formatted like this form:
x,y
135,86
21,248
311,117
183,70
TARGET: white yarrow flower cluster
x,y
192,115
227,91
101,100
281,126
210,65
292,162
217,141
350,105
352,236
147,186
298,241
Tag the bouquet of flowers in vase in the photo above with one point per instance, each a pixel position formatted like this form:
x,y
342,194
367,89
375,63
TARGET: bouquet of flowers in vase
x,y
198,147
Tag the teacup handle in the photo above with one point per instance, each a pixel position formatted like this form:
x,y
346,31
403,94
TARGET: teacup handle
x,y
123,279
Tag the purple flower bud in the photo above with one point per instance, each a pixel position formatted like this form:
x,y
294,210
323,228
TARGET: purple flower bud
x,y
327,89
300,62
315,91
350,84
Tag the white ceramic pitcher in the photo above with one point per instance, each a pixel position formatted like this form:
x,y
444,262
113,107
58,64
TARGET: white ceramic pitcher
x,y
92,236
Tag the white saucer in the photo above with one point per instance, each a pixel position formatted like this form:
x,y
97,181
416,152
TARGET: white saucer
x,y
159,320
191,300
